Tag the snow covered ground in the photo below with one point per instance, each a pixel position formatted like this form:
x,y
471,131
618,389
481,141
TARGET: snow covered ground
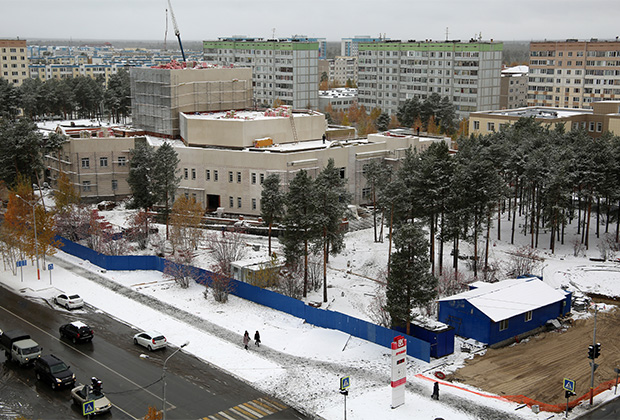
x,y
299,363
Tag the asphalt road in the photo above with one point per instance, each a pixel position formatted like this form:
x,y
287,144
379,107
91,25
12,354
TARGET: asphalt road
x,y
607,411
194,389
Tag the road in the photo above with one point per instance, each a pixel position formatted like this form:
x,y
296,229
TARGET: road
x,y
608,411
194,389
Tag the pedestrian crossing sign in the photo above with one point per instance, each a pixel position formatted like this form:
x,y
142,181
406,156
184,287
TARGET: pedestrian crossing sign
x,y
88,407
345,382
569,385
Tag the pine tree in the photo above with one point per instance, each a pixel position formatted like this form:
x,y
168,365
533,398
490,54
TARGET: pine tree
x,y
410,283
271,202
332,200
141,175
164,179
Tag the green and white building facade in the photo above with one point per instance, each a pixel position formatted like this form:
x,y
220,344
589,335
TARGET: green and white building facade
x,y
281,69
469,73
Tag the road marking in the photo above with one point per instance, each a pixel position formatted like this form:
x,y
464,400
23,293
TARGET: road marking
x,y
250,410
85,355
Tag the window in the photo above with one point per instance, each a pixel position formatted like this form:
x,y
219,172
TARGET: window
x,y
253,177
262,178
215,175
193,173
490,126
122,161
185,173
591,126
230,176
208,174
503,325
238,202
342,173
599,127
86,186
476,125
230,202
85,162
114,185
254,204
103,161
238,177
528,316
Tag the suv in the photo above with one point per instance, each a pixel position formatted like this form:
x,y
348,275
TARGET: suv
x,y
54,371
76,331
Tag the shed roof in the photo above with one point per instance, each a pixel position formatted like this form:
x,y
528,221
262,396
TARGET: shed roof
x,y
508,298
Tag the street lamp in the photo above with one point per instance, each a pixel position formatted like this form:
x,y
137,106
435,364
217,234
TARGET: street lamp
x,y
163,376
34,227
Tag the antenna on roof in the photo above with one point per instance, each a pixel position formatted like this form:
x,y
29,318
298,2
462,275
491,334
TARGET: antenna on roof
x,y
273,33
166,33
447,33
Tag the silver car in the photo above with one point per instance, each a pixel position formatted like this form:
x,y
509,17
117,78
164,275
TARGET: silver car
x,y
69,301
152,340
84,393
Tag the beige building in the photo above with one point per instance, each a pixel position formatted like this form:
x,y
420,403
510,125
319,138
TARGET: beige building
x,y
573,74
96,159
604,116
14,61
159,95
513,87
343,69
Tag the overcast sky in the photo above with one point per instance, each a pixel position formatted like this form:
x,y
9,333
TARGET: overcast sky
x,y
332,19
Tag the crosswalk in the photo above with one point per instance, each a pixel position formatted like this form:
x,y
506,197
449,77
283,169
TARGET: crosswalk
x,y
251,410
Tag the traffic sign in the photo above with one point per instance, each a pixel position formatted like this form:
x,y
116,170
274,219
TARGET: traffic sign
x,y
88,407
22,263
569,385
50,266
345,382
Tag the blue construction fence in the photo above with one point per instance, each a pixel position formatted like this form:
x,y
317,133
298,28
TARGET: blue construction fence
x,y
416,347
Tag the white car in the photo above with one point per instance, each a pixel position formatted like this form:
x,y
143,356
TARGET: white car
x,y
152,340
69,301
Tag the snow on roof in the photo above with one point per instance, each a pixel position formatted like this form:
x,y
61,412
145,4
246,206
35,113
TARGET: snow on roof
x,y
516,70
238,115
508,298
540,112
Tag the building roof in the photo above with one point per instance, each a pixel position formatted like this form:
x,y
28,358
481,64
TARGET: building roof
x,y
537,112
516,70
508,298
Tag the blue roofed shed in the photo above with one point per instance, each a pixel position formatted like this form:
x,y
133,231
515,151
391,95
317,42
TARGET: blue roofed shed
x,y
495,312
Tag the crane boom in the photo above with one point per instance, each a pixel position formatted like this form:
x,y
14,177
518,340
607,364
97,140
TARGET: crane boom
x,y
176,30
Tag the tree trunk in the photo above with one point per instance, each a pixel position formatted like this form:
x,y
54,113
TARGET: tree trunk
x,y
486,252
269,235
324,264
374,212
598,217
587,228
432,243
305,268
499,221
514,213
476,245
390,243
441,245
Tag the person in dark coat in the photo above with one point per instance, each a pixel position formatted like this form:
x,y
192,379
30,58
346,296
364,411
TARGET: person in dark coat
x,y
246,339
435,395
257,338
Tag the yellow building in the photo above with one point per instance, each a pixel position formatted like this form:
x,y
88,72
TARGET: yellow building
x,y
14,61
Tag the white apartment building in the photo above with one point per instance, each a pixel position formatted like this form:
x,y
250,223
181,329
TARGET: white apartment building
x,y
343,69
285,70
391,72
14,61
349,47
513,92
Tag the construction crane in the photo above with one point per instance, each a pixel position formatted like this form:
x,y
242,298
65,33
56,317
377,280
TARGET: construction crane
x,y
176,29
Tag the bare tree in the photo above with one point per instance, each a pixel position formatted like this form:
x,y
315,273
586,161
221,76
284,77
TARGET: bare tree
x,y
376,308
524,260
178,267
226,247
221,286
290,282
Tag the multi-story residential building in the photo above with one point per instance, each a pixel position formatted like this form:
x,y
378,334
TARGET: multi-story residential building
x,y
343,70
159,94
572,73
513,92
603,116
468,73
14,61
349,47
64,71
281,69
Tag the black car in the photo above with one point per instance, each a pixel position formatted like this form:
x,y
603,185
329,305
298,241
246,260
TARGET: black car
x,y
54,371
76,331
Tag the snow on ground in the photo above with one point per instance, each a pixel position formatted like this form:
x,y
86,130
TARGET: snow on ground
x,y
299,363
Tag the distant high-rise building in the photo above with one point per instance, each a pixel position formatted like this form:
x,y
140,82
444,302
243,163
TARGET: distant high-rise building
x,y
14,61
285,70
468,73
513,92
349,47
343,69
572,73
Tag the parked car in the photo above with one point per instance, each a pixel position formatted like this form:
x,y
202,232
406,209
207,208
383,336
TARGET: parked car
x,y
76,331
83,393
152,340
54,371
69,301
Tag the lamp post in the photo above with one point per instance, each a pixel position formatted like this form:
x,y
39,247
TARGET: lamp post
x,y
163,376
34,227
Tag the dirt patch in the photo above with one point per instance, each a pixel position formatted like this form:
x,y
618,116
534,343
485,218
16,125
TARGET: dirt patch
x,y
536,368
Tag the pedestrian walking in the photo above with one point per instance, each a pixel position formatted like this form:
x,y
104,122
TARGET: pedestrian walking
x,y
246,339
257,338
435,395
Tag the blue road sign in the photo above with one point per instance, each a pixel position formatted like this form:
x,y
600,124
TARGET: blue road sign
x,y
345,382
21,263
50,266
88,407
569,385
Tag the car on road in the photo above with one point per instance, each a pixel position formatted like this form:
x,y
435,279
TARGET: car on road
x,y
69,301
76,331
152,340
54,371
84,393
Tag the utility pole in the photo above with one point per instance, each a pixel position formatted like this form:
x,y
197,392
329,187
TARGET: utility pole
x,y
594,365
